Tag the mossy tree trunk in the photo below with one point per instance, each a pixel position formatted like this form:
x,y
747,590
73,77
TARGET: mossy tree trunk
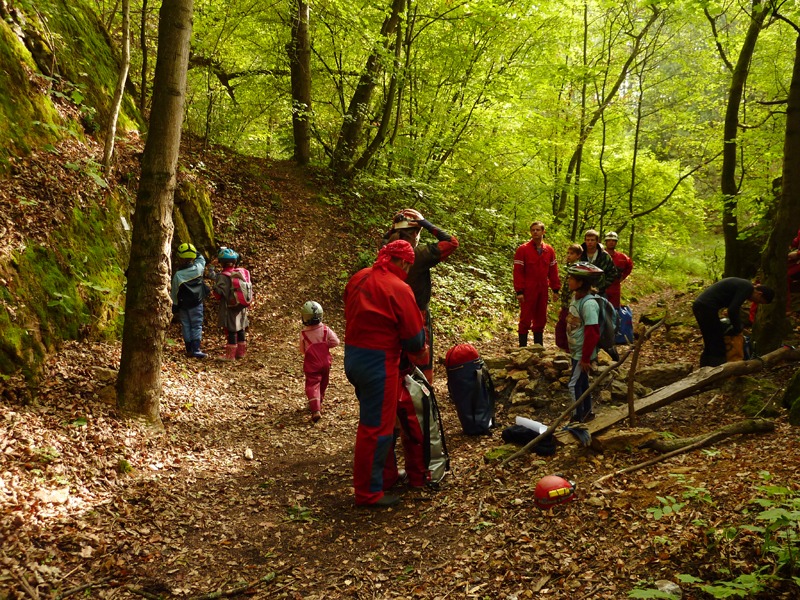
x,y
147,305
771,323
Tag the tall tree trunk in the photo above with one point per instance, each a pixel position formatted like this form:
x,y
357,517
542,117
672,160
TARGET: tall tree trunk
x,y
147,304
300,67
736,251
771,323
111,132
353,122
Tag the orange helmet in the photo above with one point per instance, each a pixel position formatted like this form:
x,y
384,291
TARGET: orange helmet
x,y
552,490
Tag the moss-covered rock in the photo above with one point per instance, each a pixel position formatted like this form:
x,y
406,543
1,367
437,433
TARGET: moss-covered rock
x,y
72,288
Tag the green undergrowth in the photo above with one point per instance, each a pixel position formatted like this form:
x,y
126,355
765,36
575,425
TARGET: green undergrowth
x,y
70,288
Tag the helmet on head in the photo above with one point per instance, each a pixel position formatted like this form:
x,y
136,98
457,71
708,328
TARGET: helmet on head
x,y
552,490
402,220
227,254
186,250
612,235
584,270
311,312
412,214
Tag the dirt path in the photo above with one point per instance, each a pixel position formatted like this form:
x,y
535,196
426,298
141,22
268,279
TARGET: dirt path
x,y
194,515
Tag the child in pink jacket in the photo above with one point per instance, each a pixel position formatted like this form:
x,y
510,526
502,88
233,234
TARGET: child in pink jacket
x,y
316,340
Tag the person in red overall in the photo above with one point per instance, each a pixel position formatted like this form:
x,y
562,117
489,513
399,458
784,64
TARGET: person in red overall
x,y
316,340
382,323
624,266
535,269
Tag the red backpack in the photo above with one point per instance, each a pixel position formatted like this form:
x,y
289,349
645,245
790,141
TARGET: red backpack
x,y
241,293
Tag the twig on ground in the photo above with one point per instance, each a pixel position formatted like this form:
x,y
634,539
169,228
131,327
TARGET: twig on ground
x,y
85,586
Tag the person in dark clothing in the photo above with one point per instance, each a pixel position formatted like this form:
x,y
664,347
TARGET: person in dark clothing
x,y
594,253
729,293
408,225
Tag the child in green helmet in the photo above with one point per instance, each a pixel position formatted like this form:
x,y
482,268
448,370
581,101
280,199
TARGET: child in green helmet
x,y
187,293
316,340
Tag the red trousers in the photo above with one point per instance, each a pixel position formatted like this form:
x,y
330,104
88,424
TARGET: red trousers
x,y
533,311
316,384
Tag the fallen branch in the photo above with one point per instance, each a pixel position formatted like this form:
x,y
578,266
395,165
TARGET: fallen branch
x,y
85,586
240,590
568,411
742,427
697,381
699,442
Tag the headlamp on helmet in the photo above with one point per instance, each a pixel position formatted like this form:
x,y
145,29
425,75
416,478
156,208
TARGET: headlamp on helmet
x,y
186,250
552,490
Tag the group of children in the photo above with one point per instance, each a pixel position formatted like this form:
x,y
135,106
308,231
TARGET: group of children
x,y
232,287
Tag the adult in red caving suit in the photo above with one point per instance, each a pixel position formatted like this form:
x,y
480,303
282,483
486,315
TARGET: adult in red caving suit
x,y
535,269
382,322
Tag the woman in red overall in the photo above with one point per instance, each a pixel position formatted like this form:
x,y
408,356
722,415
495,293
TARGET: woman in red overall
x,y
316,340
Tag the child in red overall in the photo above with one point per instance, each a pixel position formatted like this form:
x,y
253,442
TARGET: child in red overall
x,y
316,340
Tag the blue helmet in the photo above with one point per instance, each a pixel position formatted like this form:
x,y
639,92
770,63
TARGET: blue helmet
x,y
227,254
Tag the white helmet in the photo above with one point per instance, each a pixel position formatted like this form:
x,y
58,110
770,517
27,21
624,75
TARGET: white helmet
x,y
612,235
311,313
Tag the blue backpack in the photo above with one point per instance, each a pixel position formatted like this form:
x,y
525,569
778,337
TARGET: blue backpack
x,y
625,329
608,322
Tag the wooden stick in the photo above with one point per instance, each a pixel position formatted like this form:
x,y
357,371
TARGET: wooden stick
x,y
85,586
632,372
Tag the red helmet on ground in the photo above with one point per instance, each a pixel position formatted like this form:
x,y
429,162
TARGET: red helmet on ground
x,y
552,490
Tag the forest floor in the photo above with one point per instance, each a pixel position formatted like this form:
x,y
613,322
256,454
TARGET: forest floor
x,y
194,515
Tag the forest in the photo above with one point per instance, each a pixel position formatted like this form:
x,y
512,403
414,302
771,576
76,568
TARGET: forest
x,y
293,132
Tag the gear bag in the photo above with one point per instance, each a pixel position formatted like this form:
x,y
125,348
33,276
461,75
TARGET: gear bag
x,y
435,457
608,322
241,293
625,328
471,389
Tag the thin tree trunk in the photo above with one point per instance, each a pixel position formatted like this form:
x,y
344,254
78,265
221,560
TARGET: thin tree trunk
x,y
147,304
145,56
736,259
771,323
353,122
300,65
111,132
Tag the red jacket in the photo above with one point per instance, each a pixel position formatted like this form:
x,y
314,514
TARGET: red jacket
x,y
381,313
623,263
534,271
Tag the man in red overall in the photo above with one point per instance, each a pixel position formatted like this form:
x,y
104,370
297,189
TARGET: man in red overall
x,y
535,269
624,266
382,322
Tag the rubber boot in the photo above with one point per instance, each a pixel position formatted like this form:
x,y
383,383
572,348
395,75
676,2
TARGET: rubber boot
x,y
241,349
188,348
523,340
195,350
230,352
538,338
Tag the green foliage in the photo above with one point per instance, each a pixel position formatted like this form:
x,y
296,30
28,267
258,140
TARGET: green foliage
x,y
299,513
668,506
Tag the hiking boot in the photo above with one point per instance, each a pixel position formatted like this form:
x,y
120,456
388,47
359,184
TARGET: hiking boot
x,y
195,351
230,352
386,501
